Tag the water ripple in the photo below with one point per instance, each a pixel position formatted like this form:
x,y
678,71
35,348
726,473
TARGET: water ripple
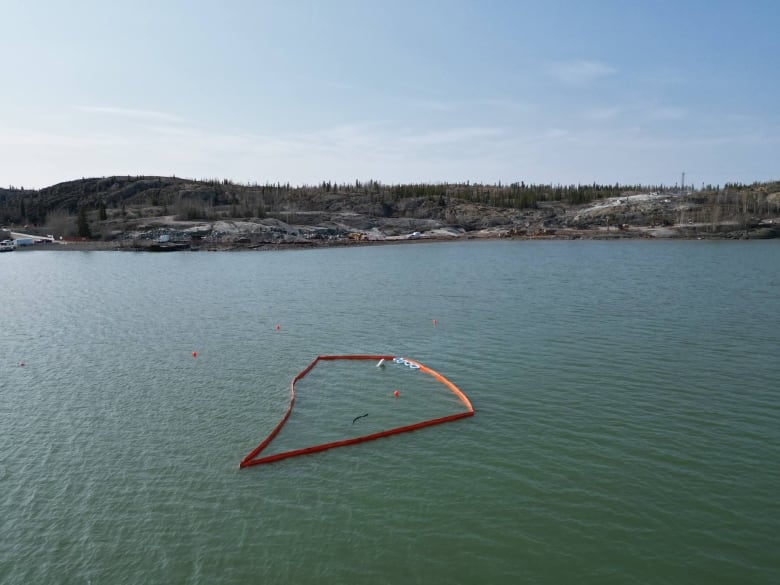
x,y
627,425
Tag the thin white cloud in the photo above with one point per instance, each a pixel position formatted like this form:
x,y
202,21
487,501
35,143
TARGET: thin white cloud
x,y
648,113
507,104
668,113
379,150
556,134
580,72
168,129
36,139
602,114
471,105
436,106
341,85
452,136
146,115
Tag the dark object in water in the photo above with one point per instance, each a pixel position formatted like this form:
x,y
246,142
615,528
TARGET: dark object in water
x,y
357,417
167,247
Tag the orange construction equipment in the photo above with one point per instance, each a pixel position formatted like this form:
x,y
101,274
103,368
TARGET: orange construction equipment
x,y
253,459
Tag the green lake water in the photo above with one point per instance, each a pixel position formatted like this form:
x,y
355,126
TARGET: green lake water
x,y
627,425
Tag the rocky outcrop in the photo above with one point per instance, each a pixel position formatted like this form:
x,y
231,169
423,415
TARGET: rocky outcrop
x,y
221,212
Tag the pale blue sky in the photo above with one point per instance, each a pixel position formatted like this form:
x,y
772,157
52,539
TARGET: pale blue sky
x,y
398,91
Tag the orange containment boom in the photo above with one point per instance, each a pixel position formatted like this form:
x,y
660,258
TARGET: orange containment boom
x,y
253,459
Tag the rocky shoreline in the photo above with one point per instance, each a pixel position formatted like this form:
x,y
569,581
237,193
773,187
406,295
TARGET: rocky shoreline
x,y
749,213
229,244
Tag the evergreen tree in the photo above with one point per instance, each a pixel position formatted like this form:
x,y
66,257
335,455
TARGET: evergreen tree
x,y
83,224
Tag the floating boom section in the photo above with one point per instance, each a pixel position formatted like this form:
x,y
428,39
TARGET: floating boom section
x,y
253,459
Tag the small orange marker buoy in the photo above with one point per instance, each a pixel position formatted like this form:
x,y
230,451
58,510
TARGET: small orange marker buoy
x,y
195,354
278,327
435,321
395,393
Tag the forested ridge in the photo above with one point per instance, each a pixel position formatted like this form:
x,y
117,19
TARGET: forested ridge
x,y
79,206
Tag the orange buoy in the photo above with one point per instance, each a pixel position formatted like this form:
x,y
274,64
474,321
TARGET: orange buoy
x,y
278,327
435,321
194,354
395,393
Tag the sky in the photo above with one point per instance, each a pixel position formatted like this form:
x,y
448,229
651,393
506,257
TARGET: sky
x,y
401,91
